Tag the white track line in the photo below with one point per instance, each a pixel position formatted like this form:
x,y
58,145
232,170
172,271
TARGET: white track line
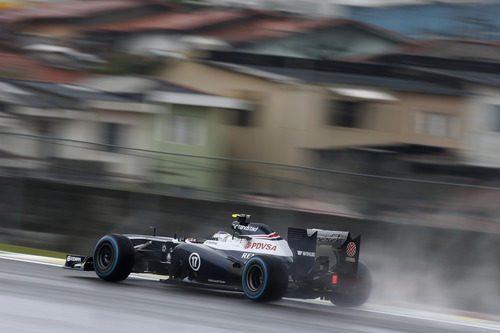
x,y
48,261
373,308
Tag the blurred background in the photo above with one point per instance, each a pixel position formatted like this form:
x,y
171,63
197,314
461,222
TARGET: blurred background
x,y
377,117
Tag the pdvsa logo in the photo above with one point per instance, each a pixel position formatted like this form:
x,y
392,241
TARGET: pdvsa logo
x,y
263,246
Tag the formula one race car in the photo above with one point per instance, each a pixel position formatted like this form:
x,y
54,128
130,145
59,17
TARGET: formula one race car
x,y
312,263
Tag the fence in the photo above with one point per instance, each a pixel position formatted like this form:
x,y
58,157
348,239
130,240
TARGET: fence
x,y
428,199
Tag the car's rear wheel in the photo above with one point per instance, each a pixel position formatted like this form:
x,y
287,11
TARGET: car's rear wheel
x,y
264,278
113,257
354,291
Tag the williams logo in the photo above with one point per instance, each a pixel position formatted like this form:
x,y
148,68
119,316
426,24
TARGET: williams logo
x,y
194,261
306,253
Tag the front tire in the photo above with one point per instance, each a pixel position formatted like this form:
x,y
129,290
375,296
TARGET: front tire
x,y
264,278
354,291
113,257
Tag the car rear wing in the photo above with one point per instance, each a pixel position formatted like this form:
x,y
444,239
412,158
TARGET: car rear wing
x,y
305,244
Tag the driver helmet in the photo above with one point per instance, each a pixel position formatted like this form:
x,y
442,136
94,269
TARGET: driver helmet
x,y
220,236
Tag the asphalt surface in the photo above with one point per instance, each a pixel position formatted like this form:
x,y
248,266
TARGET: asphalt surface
x,y
46,298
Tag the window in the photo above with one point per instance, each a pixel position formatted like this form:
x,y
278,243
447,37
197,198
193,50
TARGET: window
x,y
493,123
345,113
46,148
436,124
181,129
243,118
113,135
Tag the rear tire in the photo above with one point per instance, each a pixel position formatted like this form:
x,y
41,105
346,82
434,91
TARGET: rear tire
x,y
264,278
354,291
113,257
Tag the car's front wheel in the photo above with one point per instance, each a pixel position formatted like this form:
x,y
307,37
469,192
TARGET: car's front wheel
x,y
113,257
264,278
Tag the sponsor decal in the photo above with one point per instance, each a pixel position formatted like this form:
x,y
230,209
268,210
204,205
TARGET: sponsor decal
x,y
247,228
262,246
247,255
306,253
194,261
248,244
351,249
350,259
75,259
216,281
273,236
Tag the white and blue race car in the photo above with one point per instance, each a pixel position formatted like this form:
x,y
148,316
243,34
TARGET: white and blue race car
x,y
253,259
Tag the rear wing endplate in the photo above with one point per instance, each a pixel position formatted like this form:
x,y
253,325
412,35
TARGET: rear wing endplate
x,y
304,243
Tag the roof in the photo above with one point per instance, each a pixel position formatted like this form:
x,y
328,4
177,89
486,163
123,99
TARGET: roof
x,y
176,21
172,87
471,70
133,85
70,91
67,10
267,28
397,84
292,70
11,94
17,66
454,48
279,26
482,78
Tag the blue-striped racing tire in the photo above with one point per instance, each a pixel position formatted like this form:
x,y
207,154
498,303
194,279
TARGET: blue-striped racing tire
x,y
113,257
264,278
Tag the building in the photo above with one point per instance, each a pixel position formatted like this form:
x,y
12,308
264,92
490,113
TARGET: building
x,y
481,78
77,132
306,108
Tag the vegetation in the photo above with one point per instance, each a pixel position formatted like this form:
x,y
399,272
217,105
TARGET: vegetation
x,y
29,250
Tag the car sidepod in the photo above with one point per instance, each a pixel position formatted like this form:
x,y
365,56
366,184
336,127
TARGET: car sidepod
x,y
202,264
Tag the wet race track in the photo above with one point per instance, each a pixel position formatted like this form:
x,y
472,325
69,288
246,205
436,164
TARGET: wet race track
x,y
43,297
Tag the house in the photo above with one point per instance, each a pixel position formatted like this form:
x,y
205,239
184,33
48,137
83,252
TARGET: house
x,y
306,107
253,31
187,130
482,79
325,104
123,133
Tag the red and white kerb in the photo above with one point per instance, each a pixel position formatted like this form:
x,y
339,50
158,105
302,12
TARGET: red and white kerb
x,y
351,249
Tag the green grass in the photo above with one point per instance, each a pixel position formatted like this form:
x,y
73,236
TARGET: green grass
x,y
29,250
